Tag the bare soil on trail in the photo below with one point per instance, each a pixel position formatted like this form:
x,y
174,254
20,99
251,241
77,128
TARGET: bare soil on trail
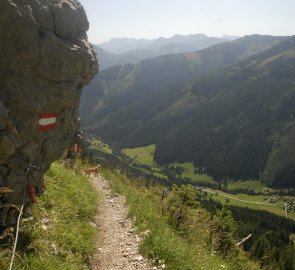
x,y
117,243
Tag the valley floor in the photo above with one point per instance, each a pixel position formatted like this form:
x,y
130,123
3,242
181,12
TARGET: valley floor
x,y
117,245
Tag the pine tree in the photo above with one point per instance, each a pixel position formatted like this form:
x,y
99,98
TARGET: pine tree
x,y
287,258
223,229
261,250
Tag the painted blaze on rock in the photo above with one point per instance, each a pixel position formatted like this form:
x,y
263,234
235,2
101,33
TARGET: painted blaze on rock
x,y
45,61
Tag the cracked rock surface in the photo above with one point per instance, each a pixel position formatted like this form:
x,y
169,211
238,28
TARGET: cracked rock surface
x,y
45,61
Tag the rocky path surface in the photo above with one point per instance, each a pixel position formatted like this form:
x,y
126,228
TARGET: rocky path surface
x,y
117,245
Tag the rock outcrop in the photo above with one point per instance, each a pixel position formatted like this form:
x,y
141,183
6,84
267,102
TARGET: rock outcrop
x,y
45,61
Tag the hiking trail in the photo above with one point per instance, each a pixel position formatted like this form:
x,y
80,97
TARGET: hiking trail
x,y
117,243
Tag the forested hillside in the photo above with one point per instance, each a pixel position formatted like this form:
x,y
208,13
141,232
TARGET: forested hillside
x,y
143,91
235,123
241,120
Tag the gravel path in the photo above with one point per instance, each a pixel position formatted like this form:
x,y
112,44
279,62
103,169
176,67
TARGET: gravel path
x,y
117,245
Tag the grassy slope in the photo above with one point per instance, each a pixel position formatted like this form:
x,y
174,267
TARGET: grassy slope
x,y
59,236
161,242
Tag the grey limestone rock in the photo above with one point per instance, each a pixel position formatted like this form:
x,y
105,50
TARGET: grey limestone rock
x,y
45,61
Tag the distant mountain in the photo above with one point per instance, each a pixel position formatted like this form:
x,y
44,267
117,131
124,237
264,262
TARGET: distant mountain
x,y
124,50
183,43
233,123
230,37
123,45
107,59
194,42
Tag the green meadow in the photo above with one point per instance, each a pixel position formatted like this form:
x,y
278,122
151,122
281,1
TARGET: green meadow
x,y
257,202
254,185
189,172
143,154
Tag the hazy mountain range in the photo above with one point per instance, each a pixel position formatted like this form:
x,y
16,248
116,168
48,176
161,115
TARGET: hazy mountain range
x,y
128,50
228,108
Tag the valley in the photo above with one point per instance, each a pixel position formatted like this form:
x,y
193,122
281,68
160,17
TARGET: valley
x,y
147,135
212,130
262,198
261,214
228,108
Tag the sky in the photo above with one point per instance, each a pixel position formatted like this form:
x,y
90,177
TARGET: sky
x,y
163,18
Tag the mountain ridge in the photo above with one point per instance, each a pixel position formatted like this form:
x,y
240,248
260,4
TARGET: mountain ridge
x,y
124,45
129,50
167,69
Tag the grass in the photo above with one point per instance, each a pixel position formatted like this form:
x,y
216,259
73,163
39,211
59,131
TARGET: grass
x,y
161,242
143,155
59,235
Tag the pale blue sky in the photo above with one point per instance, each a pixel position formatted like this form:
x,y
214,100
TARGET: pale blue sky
x,y
155,18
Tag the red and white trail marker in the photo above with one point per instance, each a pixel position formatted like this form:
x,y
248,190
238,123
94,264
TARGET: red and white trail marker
x,y
47,120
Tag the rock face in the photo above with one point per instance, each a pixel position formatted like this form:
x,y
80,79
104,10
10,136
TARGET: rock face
x,y
45,61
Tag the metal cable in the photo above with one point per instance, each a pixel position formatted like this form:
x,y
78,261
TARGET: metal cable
x,y
16,237
28,171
